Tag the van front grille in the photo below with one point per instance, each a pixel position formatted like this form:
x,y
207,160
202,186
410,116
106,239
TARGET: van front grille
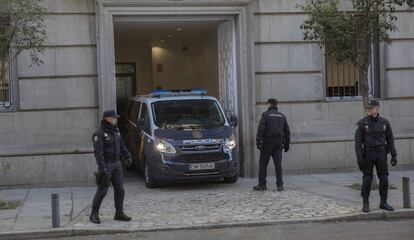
x,y
191,158
189,148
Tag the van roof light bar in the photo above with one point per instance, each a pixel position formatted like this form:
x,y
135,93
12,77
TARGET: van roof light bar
x,y
178,92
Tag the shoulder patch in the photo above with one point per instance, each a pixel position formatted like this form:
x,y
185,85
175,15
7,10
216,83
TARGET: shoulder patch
x,y
276,115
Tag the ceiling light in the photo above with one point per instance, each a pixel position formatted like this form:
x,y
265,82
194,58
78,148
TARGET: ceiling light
x,y
179,29
162,40
170,36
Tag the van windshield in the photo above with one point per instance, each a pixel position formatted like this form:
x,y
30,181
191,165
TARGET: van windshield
x,y
197,113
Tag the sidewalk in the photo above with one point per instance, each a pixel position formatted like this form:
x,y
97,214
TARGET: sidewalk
x,y
315,197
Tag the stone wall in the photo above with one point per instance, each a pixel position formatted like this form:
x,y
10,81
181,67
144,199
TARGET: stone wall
x,y
48,137
291,70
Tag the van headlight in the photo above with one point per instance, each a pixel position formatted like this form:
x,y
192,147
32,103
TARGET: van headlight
x,y
164,146
229,143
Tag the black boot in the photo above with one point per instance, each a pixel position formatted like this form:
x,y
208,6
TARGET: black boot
x,y
386,206
280,188
94,217
121,216
260,188
365,207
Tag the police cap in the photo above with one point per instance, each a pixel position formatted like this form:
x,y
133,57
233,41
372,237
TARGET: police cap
x,y
272,101
373,103
110,113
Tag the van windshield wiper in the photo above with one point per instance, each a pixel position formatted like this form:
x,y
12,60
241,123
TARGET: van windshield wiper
x,y
192,126
189,126
180,127
212,125
170,126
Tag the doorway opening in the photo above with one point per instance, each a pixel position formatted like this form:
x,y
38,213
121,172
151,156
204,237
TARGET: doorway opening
x,y
234,38
168,54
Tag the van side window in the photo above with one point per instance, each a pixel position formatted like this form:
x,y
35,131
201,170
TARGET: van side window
x,y
134,111
145,116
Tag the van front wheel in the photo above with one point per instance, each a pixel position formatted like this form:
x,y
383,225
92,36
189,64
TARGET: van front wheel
x,y
149,179
231,179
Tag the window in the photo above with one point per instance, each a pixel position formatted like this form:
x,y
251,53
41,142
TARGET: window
x,y
134,111
5,84
145,116
341,79
187,114
125,84
5,78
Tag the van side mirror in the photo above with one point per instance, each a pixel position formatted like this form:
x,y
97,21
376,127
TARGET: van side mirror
x,y
233,120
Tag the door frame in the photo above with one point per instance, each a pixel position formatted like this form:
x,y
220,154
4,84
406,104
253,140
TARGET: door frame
x,y
242,13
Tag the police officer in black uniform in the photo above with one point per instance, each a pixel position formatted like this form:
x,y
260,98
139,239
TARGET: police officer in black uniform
x,y
109,147
373,140
273,135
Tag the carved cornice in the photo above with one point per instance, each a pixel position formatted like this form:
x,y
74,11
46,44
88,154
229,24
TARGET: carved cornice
x,y
172,3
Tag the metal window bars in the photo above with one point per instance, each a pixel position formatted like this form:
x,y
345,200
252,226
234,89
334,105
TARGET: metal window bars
x,y
5,66
5,85
341,79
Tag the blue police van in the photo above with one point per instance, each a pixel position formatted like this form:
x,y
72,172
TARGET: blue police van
x,y
181,136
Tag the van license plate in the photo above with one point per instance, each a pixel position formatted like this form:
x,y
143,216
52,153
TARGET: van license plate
x,y
202,166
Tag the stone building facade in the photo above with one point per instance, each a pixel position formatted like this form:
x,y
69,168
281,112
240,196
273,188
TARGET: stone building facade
x,y
46,135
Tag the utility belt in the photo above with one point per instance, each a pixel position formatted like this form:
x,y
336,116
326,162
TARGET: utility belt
x,y
111,158
272,141
379,148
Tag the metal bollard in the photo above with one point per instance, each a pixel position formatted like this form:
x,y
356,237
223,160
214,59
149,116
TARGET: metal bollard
x,y
55,210
406,192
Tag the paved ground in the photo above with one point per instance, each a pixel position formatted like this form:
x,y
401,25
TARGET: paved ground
x,y
216,203
378,230
306,197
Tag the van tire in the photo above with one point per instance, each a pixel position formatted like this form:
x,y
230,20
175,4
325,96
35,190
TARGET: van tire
x,y
231,179
150,181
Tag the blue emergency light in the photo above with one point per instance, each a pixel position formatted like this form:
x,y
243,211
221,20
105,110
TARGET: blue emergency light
x,y
178,92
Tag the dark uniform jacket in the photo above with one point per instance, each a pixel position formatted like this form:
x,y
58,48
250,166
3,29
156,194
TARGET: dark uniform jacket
x,y
108,145
373,132
273,127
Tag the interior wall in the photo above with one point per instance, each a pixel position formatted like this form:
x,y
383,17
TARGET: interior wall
x,y
188,65
174,72
142,56
204,63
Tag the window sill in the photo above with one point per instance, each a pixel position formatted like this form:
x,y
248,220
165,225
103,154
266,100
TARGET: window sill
x,y
5,110
343,99
10,107
349,99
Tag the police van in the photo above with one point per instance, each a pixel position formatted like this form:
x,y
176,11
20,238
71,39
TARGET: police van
x,y
181,135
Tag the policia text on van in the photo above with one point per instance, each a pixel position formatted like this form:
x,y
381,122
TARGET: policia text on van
x,y
180,136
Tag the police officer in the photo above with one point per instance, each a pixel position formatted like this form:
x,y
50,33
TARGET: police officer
x,y
109,147
373,140
273,135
